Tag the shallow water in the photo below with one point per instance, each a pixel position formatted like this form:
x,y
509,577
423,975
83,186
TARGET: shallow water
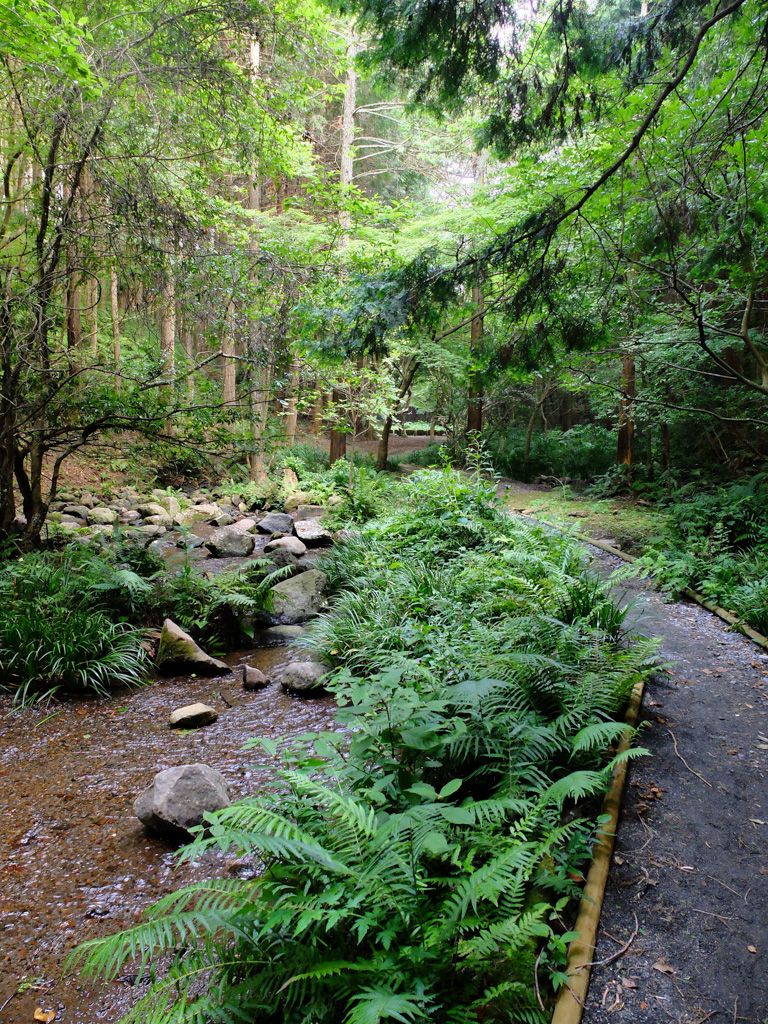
x,y
74,862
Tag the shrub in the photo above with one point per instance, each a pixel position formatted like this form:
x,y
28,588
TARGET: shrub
x,y
583,452
57,628
417,866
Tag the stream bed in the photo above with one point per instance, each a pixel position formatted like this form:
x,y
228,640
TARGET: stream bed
x,y
74,861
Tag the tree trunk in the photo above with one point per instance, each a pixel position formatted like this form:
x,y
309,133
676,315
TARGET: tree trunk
x,y
625,445
291,413
116,326
168,326
338,438
382,455
475,403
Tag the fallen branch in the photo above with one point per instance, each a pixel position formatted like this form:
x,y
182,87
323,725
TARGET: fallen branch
x,y
691,770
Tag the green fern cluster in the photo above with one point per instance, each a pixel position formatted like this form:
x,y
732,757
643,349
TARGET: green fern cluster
x,y
419,864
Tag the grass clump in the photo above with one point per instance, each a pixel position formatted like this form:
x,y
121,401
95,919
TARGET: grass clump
x,y
418,866
63,624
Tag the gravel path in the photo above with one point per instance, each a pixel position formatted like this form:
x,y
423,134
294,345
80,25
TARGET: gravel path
x,y
689,883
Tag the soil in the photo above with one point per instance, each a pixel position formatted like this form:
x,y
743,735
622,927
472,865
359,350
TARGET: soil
x,y
688,889
74,861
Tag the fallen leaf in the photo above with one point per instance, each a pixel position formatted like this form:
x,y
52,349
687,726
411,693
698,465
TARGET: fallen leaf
x,y
44,1016
752,949
663,967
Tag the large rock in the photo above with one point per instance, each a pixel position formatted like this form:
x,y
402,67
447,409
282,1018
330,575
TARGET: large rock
x,y
101,516
178,651
281,558
77,511
298,598
168,501
308,512
206,512
151,508
276,522
162,519
291,544
301,676
229,542
312,532
179,798
192,716
70,522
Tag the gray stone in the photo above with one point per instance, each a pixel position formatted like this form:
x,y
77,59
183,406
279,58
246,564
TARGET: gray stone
x,y
179,798
225,519
70,522
168,501
298,598
203,513
161,519
290,544
131,516
276,522
296,499
101,516
276,636
105,529
192,716
229,542
151,508
254,678
149,530
87,499
177,650
190,541
78,511
281,559
246,525
313,533
308,512
301,676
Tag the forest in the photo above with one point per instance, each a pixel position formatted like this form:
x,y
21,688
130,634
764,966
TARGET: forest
x,y
384,511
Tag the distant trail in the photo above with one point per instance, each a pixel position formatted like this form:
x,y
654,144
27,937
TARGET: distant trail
x,y
691,859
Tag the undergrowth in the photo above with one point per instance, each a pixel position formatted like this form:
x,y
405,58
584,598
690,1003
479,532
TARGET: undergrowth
x,y
420,864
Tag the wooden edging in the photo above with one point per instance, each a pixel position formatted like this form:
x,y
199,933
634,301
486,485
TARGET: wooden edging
x,y
571,1001
693,595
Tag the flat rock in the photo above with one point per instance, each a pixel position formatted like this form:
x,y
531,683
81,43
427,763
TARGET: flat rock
x,y
276,522
229,542
151,508
301,676
161,519
245,525
78,511
299,598
312,532
206,512
177,651
254,678
309,512
291,544
276,636
101,516
179,798
192,716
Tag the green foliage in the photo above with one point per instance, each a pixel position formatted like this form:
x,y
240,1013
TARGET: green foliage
x,y
417,865
582,452
57,628
717,543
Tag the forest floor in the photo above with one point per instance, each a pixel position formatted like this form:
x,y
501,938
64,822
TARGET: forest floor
x,y
684,927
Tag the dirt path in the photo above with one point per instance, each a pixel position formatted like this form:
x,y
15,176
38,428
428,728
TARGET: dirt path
x,y
690,875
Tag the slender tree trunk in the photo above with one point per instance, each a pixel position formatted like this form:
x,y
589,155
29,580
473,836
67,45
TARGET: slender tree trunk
x,y
291,413
476,392
188,341
625,445
116,326
168,326
338,440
